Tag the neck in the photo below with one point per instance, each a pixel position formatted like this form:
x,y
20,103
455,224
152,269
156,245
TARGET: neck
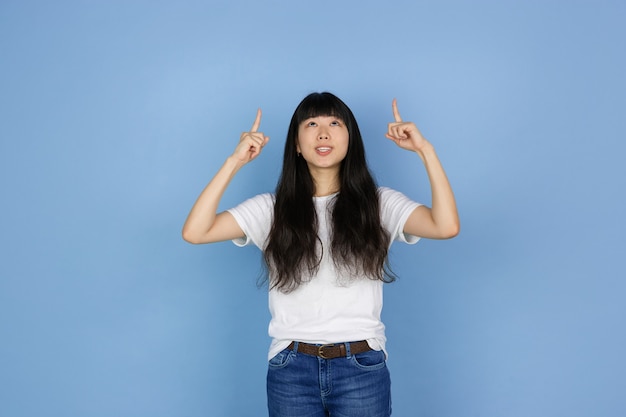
x,y
326,182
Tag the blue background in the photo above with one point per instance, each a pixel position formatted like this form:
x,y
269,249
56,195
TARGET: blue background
x,y
115,114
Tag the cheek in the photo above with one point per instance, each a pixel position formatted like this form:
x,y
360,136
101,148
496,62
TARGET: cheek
x,y
303,139
346,141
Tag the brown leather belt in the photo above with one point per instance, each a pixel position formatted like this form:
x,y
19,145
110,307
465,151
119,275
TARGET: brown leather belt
x,y
331,351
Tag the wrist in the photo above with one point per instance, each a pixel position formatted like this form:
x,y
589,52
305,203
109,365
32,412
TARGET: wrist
x,y
426,151
234,163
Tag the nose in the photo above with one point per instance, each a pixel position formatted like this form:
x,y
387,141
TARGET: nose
x,y
322,135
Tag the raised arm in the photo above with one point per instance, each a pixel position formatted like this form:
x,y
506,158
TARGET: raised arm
x,y
204,224
442,220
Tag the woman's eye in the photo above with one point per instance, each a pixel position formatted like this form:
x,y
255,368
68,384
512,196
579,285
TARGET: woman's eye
x,y
312,124
335,123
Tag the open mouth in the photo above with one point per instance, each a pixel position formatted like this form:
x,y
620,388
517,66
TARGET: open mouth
x,y
323,150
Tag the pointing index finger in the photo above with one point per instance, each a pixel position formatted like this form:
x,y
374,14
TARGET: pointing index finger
x,y
396,113
257,121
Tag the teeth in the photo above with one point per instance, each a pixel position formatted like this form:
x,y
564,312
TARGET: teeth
x,y
323,149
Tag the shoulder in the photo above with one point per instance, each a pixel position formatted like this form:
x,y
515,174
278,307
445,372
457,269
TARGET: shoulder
x,y
254,217
395,209
394,205
265,198
260,201
389,196
253,209
385,192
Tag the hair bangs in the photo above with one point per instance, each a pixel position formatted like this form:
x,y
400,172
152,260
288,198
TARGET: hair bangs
x,y
322,104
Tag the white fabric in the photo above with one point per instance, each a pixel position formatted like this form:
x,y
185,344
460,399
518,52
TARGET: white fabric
x,y
330,308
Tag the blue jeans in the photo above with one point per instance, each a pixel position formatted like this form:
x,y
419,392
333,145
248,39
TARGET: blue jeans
x,y
300,385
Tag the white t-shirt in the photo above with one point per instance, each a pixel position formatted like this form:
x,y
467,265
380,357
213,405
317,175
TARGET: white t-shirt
x,y
329,308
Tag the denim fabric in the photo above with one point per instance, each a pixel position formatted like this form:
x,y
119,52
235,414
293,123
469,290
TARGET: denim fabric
x,y
300,385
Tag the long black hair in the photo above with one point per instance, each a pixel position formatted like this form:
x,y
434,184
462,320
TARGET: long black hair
x,y
359,243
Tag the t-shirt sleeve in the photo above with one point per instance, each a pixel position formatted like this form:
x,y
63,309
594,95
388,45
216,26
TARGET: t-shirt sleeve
x,y
395,210
254,216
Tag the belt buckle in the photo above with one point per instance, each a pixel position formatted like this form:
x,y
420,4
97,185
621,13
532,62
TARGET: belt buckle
x,y
320,351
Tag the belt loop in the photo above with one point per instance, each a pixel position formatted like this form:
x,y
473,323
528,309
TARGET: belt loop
x,y
347,344
295,346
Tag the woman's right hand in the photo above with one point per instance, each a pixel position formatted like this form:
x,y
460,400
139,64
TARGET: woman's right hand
x,y
251,143
204,224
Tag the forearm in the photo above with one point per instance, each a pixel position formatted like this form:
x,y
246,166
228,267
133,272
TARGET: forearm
x,y
444,211
203,213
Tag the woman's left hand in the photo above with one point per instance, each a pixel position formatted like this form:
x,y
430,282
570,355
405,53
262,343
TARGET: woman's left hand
x,y
405,134
442,220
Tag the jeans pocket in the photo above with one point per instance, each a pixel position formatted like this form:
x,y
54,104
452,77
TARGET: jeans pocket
x,y
370,360
281,359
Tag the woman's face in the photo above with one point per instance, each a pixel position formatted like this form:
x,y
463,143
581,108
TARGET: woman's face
x,y
323,142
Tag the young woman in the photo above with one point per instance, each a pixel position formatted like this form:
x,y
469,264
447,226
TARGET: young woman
x,y
325,236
